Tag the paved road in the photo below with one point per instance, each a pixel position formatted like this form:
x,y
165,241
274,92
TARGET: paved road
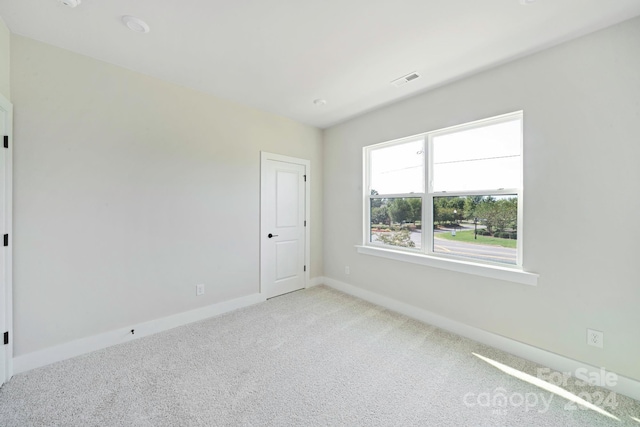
x,y
469,250
472,250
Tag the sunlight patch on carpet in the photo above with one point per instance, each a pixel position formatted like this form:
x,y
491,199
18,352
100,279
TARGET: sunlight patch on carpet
x,y
545,386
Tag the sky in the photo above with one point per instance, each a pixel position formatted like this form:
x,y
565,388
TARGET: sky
x,y
485,158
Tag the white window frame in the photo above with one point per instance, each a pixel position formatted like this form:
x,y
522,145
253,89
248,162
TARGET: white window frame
x,y
367,187
424,254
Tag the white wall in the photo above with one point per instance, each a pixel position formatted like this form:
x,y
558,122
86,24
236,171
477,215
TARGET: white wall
x,y
581,102
129,191
5,38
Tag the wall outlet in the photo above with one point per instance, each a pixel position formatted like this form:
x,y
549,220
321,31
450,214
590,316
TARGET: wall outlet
x,y
199,290
347,270
595,338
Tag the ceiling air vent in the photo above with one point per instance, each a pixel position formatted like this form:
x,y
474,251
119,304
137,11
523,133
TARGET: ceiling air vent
x,y
405,79
70,3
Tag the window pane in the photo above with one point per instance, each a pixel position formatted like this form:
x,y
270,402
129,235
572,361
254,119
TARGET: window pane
x,y
396,222
477,227
484,158
398,169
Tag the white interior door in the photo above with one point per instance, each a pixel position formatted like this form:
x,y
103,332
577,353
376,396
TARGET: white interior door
x,y
5,226
283,223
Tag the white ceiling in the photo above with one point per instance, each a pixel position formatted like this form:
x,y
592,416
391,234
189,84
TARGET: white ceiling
x,y
280,55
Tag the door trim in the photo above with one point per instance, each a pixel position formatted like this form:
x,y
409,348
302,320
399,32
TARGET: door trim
x,y
8,251
264,156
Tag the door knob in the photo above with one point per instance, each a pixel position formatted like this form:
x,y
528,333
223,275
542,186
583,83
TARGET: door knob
x,y
272,235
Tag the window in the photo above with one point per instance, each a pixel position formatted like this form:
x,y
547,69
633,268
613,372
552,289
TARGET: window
x,y
451,193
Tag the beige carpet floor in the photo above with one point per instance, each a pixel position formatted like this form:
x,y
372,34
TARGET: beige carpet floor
x,y
315,357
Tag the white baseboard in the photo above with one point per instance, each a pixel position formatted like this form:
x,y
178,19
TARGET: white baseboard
x,y
315,281
86,345
626,386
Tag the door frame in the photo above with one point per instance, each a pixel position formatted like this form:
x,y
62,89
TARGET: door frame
x,y
8,229
264,157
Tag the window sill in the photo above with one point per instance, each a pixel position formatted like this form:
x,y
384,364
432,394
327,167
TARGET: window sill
x,y
509,274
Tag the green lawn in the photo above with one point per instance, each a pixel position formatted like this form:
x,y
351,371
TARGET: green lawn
x,y
467,236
